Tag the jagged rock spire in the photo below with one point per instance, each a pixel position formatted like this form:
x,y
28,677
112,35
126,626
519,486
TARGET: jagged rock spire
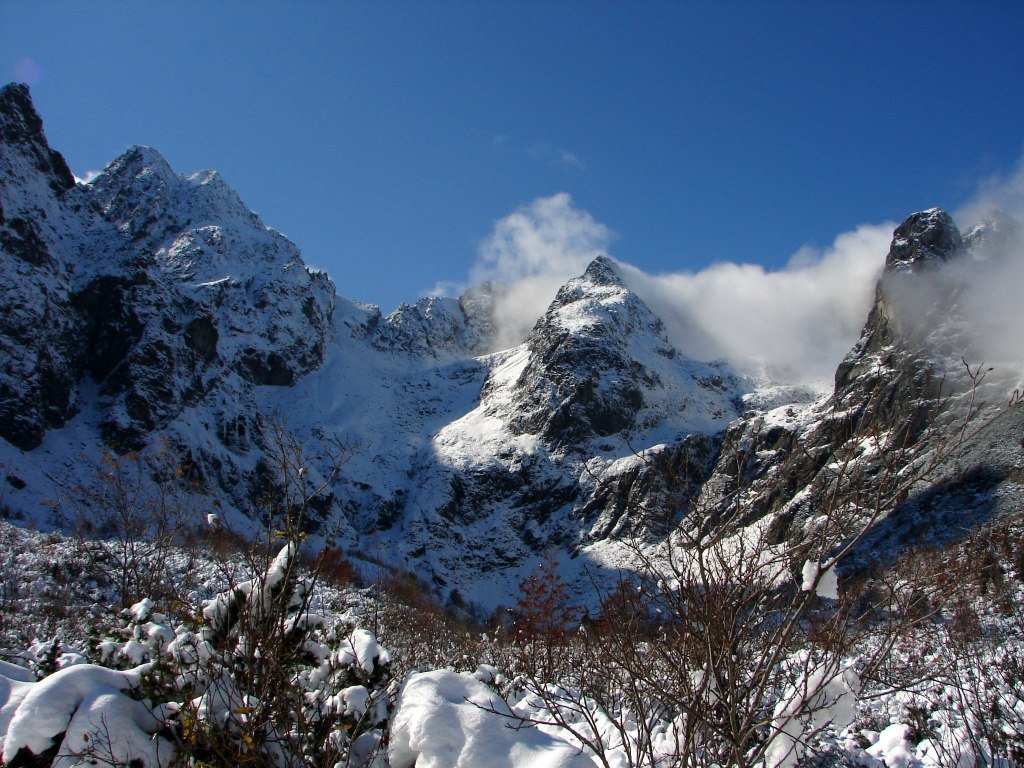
x,y
22,127
602,271
923,238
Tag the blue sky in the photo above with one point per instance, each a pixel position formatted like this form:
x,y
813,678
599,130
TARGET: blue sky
x,y
387,139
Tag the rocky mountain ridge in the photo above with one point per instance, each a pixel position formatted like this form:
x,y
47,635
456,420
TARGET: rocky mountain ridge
x,y
147,306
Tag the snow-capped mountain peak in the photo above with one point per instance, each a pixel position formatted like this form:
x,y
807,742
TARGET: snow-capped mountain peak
x,y
149,305
600,364
140,189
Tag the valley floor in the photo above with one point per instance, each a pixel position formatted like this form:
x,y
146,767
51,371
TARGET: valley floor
x,y
208,653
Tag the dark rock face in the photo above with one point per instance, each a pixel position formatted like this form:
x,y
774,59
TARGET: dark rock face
x,y
160,306
923,238
38,355
886,368
652,498
21,239
21,125
880,418
201,338
110,325
134,281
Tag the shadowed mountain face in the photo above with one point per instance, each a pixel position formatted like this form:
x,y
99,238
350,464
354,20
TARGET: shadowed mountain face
x,y
155,287
149,307
38,342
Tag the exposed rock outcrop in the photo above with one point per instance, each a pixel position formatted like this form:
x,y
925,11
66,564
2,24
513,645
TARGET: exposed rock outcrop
x,y
148,306
38,335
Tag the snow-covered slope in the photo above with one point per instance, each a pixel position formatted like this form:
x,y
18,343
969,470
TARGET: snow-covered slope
x,y
550,456
148,306
186,318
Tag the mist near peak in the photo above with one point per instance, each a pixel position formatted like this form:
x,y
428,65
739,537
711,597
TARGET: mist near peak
x,y
792,325
531,253
963,310
996,193
969,305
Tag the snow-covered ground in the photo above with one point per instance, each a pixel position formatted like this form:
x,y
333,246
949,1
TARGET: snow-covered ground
x,y
954,694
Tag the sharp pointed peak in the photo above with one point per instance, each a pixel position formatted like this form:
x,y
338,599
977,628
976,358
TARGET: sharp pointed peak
x,y
604,271
927,236
21,132
137,159
16,96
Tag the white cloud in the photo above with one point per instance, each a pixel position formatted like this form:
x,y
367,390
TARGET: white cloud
x,y
445,288
548,235
794,323
88,177
797,322
534,250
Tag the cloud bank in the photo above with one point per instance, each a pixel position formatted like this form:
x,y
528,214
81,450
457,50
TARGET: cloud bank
x,y
795,323
792,324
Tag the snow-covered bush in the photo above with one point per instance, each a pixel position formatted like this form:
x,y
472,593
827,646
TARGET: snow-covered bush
x,y
261,679
130,517
422,634
264,673
45,590
266,679
743,638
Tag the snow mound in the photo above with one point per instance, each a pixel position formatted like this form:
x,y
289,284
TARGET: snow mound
x,y
82,709
823,582
450,720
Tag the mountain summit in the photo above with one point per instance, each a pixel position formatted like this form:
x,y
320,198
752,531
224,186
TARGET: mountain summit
x,y
923,238
150,308
600,364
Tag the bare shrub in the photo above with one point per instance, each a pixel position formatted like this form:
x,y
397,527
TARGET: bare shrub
x,y
132,518
731,642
